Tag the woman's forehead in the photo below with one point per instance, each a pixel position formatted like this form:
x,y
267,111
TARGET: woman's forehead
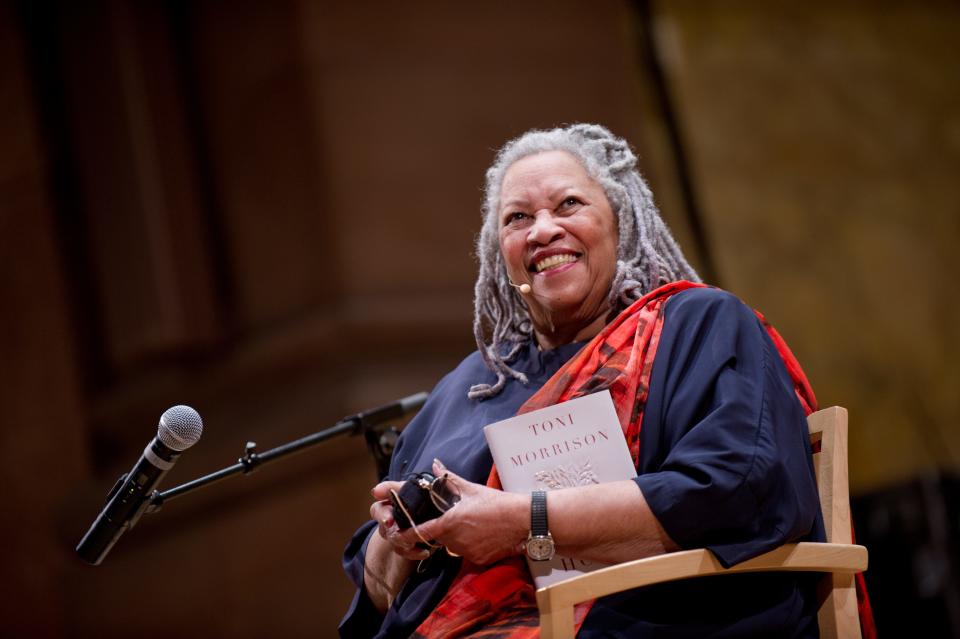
x,y
541,174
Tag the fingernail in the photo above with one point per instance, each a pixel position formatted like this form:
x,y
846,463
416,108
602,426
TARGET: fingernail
x,y
439,464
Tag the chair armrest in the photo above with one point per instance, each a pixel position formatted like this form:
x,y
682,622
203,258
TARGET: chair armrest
x,y
557,600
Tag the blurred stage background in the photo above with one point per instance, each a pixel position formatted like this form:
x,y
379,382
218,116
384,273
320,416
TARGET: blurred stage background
x,y
265,210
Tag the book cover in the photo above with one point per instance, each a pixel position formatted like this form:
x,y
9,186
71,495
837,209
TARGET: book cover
x,y
574,443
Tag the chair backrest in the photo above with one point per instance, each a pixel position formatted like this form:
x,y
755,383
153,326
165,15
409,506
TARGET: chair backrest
x,y
837,594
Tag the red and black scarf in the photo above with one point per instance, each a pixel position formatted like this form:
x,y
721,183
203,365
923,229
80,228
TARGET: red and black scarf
x,y
499,600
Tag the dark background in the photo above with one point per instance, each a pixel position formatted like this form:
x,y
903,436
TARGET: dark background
x,y
266,210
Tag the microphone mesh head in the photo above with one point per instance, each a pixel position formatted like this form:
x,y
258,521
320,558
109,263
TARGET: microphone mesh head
x,y
180,428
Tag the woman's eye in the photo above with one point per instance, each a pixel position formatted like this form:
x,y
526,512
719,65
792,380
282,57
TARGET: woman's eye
x,y
571,201
516,217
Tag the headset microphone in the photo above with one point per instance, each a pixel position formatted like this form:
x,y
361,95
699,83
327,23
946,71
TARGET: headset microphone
x,y
523,288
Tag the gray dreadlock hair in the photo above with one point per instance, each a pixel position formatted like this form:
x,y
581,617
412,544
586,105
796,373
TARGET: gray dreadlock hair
x,y
647,254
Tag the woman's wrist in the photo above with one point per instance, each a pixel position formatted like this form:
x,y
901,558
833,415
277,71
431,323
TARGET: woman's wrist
x,y
520,518
384,572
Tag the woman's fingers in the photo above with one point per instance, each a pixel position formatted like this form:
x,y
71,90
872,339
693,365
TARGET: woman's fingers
x,y
407,544
382,513
382,490
457,484
485,526
381,510
402,542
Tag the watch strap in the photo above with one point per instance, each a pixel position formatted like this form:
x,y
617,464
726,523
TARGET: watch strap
x,y
538,514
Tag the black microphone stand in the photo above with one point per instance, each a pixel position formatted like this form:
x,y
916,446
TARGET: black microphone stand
x,y
380,437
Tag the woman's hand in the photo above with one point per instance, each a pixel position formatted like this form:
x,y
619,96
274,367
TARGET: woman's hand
x,y
486,524
403,543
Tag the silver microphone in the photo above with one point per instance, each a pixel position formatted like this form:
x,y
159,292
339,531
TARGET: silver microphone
x,y
180,428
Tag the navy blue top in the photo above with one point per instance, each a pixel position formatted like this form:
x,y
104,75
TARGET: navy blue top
x,y
724,463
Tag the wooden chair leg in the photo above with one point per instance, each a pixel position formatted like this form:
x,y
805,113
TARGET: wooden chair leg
x,y
557,624
838,615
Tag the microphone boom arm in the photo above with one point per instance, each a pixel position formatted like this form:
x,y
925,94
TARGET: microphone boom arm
x,y
370,423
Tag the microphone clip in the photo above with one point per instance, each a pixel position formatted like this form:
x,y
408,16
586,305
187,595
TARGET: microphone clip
x,y
250,459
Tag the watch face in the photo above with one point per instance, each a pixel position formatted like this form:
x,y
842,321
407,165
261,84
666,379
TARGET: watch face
x,y
540,548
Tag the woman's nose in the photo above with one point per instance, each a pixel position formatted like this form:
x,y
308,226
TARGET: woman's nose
x,y
544,229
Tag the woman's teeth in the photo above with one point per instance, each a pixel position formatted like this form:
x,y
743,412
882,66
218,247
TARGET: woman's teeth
x,y
554,260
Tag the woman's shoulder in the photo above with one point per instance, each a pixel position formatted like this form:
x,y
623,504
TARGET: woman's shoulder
x,y
470,365
471,370
697,303
526,359
473,364
704,296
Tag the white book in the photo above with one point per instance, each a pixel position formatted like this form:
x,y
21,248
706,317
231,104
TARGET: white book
x,y
574,443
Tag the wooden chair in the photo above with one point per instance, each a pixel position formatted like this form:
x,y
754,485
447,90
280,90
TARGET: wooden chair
x,y
839,558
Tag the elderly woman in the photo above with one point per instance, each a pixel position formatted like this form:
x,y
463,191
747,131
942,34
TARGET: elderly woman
x,y
582,288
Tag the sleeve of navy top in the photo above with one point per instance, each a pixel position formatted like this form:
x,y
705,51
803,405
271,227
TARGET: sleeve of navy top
x,y
362,619
725,459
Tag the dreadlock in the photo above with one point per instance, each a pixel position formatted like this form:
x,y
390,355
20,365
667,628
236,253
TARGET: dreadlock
x,y
647,254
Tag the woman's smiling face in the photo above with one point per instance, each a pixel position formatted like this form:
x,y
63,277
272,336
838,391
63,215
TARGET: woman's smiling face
x,y
558,234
